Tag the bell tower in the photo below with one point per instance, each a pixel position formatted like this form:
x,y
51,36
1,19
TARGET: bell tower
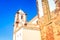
x,y
20,20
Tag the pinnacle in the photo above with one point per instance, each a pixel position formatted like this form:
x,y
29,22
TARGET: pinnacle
x,y
21,11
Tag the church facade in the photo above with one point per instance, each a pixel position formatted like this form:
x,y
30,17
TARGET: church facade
x,y
46,27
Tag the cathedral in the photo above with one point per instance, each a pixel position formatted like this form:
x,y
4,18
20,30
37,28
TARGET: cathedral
x,y
46,27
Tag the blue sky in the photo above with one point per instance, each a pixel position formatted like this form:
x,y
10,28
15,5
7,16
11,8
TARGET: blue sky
x,y
8,9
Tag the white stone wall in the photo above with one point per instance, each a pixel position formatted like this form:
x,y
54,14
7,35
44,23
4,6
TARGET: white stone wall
x,y
19,34
35,21
13,36
31,34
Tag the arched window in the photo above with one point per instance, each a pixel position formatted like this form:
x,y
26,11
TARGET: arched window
x,y
21,16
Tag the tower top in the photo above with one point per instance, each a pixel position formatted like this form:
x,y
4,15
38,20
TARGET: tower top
x,y
20,12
